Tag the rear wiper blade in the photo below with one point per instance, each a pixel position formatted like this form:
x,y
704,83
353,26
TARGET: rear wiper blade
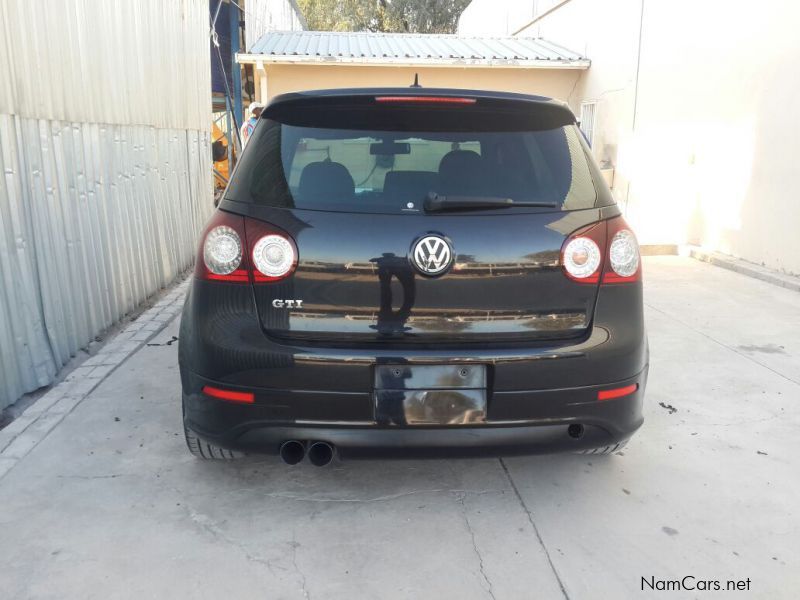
x,y
436,202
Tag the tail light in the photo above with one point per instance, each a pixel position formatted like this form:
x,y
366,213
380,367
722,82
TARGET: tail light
x,y
223,255
241,250
623,264
605,252
582,253
273,253
222,250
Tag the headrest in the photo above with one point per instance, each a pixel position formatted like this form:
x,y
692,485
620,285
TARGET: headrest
x,y
325,180
461,172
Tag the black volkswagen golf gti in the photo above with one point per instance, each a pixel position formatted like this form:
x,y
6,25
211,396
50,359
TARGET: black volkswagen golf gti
x,y
414,272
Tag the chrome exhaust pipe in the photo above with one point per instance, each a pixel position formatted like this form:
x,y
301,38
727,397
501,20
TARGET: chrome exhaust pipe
x,y
292,452
320,453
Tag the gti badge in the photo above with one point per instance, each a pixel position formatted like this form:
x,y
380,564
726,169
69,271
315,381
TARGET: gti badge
x,y
278,303
432,255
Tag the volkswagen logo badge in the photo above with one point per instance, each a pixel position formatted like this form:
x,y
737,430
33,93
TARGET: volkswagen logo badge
x,y
432,255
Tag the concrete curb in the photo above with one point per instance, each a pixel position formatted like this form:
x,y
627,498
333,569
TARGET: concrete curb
x,y
746,268
33,425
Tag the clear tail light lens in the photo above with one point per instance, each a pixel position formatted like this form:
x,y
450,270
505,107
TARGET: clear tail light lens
x,y
273,252
624,253
274,257
582,253
582,258
222,250
222,254
623,264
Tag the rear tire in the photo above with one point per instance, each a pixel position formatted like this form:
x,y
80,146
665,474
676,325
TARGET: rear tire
x,y
205,451
605,450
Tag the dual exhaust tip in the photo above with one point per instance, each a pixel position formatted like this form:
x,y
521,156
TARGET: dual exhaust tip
x,y
319,453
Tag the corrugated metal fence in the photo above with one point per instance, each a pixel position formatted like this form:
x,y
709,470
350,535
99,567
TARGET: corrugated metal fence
x,y
105,184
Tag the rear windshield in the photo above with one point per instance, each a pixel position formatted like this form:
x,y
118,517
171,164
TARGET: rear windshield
x,y
386,171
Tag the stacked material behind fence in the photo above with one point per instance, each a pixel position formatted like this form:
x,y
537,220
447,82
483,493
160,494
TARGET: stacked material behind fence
x,y
106,173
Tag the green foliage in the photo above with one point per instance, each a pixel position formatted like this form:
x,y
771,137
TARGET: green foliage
x,y
398,16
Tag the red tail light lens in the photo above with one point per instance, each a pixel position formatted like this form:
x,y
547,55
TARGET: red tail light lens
x,y
240,250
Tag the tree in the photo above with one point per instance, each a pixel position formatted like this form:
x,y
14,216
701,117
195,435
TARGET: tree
x,y
399,16
425,16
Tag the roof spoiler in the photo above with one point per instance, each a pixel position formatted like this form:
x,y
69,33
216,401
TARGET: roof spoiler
x,y
424,109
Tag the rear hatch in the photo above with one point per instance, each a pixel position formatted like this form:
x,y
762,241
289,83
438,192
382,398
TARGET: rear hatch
x,y
422,218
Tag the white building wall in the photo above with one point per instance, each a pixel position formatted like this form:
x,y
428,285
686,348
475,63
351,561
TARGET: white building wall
x,y
489,17
262,16
717,106
700,124
105,162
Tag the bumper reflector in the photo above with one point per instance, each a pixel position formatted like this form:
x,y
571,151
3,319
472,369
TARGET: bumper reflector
x,y
229,395
617,392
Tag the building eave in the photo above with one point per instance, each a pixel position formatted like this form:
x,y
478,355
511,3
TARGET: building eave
x,y
265,59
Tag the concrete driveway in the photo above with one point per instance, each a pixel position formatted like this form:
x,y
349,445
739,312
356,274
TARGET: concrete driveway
x,y
109,504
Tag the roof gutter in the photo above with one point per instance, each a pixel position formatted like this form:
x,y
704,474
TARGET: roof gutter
x,y
357,61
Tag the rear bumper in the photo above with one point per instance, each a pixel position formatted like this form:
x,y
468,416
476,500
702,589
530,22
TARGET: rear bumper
x,y
352,442
540,423
533,393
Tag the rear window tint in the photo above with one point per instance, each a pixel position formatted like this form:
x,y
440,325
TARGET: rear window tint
x,y
389,171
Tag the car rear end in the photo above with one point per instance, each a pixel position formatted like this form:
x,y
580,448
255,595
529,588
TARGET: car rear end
x,y
409,272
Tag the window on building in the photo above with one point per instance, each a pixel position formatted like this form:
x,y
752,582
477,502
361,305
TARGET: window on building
x,y
587,119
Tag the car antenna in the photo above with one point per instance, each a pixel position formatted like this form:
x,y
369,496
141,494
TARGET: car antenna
x,y
416,81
